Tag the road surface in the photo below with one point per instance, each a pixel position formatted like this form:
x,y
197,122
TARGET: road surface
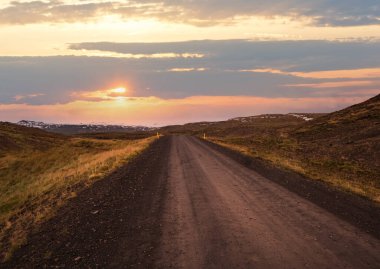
x,y
199,209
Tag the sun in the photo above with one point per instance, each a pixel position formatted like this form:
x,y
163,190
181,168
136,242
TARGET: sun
x,y
118,94
119,90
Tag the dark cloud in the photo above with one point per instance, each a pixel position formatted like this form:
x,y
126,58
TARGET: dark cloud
x,y
247,54
50,11
47,80
199,12
322,12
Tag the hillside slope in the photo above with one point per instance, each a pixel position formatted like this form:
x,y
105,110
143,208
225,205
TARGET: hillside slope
x,y
40,171
15,137
239,126
346,142
341,148
357,122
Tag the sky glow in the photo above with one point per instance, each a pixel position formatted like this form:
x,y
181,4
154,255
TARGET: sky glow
x,y
166,62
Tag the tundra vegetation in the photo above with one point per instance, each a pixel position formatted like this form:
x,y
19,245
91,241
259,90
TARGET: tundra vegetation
x,y
40,171
341,148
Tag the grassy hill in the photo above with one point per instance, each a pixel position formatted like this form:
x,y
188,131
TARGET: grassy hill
x,y
358,122
341,148
15,138
346,146
243,126
39,171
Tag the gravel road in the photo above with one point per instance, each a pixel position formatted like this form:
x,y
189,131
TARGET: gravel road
x,y
184,204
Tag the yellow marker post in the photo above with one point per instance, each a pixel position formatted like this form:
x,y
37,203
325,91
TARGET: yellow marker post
x,y
158,135
204,135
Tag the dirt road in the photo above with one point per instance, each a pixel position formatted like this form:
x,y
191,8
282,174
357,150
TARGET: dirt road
x,y
194,207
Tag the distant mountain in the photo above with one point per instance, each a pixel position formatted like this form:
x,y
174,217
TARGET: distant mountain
x,y
83,128
243,125
302,116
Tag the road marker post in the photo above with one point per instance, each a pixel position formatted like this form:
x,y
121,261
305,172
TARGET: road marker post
x,y
204,136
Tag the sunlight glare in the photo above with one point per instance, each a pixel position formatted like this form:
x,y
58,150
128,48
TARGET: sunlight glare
x,y
119,90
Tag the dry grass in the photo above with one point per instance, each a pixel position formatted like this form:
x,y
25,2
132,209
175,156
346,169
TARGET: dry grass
x,y
340,148
346,175
35,183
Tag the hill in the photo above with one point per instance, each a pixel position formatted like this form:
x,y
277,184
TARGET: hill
x,y
340,148
14,137
346,145
241,126
40,171
355,123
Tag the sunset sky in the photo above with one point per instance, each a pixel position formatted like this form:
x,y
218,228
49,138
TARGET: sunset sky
x,y
158,62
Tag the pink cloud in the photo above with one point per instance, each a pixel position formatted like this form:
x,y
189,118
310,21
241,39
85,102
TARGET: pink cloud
x,y
335,84
330,74
156,111
33,95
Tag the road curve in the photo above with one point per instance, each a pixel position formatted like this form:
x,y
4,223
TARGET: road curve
x,y
220,214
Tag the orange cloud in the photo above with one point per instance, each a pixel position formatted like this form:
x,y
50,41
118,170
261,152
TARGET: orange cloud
x,y
353,93
332,74
337,84
156,111
100,95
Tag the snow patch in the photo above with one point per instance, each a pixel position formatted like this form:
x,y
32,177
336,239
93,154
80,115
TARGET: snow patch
x,y
300,116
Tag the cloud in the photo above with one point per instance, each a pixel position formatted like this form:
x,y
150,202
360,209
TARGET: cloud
x,y
119,93
331,92
337,84
51,11
196,12
350,74
228,67
200,69
23,97
289,56
157,111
